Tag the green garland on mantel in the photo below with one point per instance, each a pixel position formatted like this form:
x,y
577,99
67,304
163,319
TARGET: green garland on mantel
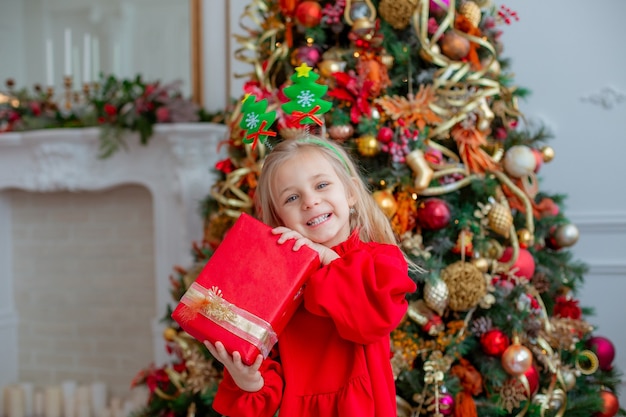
x,y
116,105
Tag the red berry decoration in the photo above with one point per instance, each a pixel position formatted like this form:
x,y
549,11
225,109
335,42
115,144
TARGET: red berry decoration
x,y
433,214
494,342
604,350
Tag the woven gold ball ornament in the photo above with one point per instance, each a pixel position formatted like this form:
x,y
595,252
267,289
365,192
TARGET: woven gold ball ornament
x,y
397,12
368,145
471,11
466,285
436,295
500,219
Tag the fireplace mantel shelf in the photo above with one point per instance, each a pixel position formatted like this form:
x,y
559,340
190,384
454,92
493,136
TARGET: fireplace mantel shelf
x,y
176,166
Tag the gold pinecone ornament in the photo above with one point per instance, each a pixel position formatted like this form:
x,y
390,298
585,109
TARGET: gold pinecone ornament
x,y
500,219
471,11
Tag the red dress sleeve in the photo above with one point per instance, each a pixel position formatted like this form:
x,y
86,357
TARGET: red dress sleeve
x,y
230,400
363,292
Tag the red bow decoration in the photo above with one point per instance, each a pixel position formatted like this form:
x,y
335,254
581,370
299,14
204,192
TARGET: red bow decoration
x,y
298,116
254,137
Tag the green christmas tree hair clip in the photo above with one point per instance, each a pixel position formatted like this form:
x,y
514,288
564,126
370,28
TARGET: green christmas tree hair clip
x,y
255,120
305,94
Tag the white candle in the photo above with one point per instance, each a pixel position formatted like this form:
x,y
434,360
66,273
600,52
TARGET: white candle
x,y
38,404
87,58
83,401
68,52
96,58
49,63
4,401
53,398
117,60
69,398
76,67
16,402
27,388
98,398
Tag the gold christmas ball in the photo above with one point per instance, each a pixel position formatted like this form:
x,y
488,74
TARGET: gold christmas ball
x,y
481,264
454,46
471,11
525,238
368,145
169,334
566,235
386,201
436,295
516,359
547,153
328,66
387,60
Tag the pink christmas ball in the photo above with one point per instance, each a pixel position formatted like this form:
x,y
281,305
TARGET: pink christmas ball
x,y
446,404
604,350
434,7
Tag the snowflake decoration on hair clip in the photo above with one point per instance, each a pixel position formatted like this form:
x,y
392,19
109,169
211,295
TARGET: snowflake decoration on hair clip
x,y
256,120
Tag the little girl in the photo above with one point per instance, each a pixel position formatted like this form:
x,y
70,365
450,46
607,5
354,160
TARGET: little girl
x,y
333,356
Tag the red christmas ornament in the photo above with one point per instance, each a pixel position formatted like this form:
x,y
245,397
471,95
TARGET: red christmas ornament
x,y
433,214
309,13
610,405
385,134
494,342
532,376
524,266
604,350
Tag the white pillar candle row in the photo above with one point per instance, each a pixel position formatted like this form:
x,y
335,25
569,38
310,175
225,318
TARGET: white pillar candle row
x,y
68,399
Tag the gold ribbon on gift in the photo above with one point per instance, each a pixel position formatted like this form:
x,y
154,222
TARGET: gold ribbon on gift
x,y
210,304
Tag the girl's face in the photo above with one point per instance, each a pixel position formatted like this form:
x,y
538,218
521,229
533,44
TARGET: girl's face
x,y
311,199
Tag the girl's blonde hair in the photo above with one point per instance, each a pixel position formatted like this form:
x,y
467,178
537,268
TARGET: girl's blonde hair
x,y
368,218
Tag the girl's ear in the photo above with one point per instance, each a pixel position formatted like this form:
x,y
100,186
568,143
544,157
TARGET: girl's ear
x,y
352,192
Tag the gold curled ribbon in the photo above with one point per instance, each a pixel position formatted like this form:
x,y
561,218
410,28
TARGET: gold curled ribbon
x,y
255,44
461,89
236,320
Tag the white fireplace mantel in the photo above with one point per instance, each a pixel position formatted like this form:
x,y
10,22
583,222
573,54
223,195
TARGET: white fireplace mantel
x,y
176,167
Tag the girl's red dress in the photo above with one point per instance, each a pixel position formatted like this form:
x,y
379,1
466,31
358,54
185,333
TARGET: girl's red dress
x,y
334,353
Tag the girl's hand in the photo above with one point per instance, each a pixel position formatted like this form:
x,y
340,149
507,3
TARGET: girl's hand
x,y
326,255
248,378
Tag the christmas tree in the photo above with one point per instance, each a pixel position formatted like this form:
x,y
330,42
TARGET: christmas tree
x,y
420,94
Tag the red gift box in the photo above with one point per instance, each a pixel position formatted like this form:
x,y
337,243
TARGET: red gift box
x,y
247,291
